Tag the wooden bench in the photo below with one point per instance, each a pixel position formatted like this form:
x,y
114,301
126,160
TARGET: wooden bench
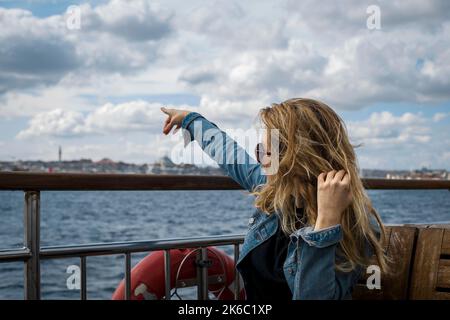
x,y
420,256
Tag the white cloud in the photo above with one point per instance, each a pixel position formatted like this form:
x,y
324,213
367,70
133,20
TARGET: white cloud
x,y
116,37
136,20
446,156
329,54
109,118
440,116
231,25
231,52
133,116
383,129
25,104
405,141
235,56
57,122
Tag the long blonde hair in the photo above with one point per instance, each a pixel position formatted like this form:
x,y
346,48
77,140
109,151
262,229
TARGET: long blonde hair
x,y
314,139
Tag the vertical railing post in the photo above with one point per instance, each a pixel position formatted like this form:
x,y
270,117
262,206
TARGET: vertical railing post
x,y
202,274
83,284
127,276
236,275
32,276
167,272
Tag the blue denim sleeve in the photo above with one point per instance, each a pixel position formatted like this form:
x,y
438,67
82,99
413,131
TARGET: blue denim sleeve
x,y
231,157
317,277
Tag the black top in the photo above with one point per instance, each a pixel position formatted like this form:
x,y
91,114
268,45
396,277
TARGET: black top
x,y
265,279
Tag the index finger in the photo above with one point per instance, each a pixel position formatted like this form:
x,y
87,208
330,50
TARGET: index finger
x,y
166,111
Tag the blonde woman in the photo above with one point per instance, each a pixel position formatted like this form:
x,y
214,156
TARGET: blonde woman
x,y
315,228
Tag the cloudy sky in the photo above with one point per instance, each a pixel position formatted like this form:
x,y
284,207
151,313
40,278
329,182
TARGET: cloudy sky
x,y
96,90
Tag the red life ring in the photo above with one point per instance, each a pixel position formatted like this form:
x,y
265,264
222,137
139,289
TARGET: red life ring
x,y
147,277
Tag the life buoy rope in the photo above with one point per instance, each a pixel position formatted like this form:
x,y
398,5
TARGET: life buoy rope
x,y
183,261
148,276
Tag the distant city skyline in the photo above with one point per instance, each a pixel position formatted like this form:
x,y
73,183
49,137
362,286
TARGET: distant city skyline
x,y
165,166
163,159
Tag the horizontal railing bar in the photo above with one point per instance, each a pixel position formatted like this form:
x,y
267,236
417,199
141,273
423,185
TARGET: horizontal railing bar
x,y
99,249
399,184
10,255
101,181
106,181
111,248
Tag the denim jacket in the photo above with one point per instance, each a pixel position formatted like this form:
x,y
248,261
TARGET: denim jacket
x,y
309,267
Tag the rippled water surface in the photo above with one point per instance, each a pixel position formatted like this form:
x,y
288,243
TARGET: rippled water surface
x,y
107,216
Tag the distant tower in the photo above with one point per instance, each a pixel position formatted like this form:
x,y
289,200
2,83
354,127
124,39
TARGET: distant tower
x,y
59,153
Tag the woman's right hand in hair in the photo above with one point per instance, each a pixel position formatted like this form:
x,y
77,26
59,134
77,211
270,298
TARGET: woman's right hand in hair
x,y
333,197
174,119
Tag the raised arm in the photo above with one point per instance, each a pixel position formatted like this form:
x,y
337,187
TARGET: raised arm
x,y
227,153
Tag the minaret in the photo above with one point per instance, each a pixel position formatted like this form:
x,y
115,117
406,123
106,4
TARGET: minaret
x,y
59,153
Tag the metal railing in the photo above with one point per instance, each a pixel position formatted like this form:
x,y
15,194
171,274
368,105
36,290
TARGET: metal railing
x,y
32,253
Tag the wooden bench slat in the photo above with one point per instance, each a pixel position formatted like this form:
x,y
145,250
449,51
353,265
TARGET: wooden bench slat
x,y
442,296
400,251
420,262
399,245
446,242
426,263
443,278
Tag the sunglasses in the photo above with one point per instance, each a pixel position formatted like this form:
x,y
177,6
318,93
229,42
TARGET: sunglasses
x,y
260,152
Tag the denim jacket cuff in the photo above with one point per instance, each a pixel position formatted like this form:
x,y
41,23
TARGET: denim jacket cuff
x,y
191,116
188,135
321,238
